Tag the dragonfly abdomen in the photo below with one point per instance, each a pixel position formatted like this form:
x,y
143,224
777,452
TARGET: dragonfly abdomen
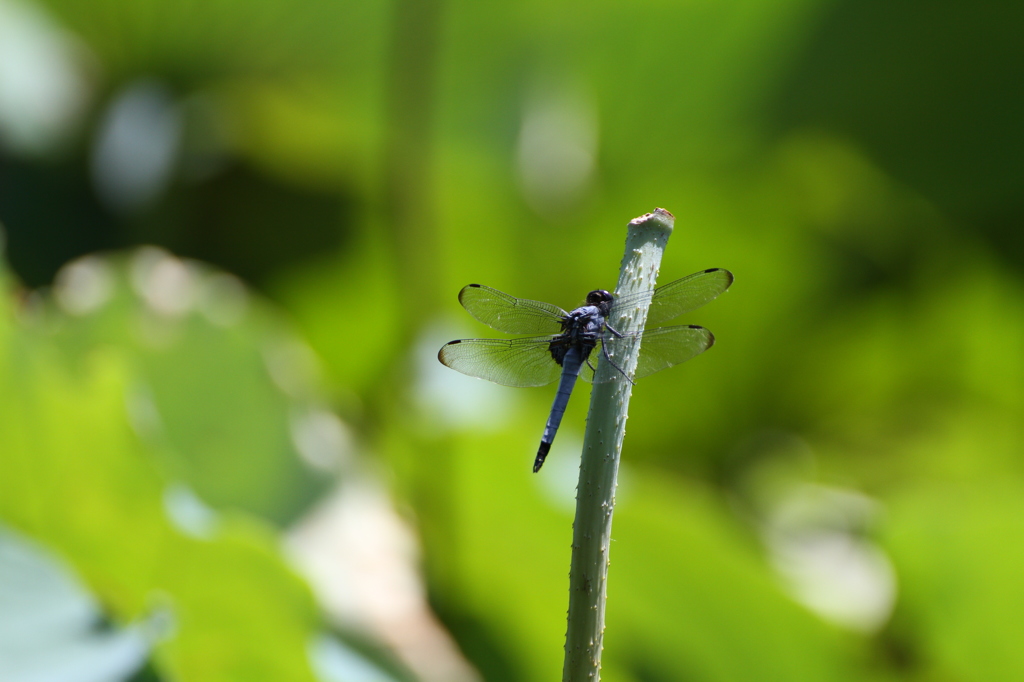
x,y
573,360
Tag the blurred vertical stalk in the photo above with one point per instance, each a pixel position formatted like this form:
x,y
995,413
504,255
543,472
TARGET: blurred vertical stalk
x,y
602,444
407,182
407,214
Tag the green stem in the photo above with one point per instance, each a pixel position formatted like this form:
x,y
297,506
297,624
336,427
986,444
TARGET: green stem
x,y
606,425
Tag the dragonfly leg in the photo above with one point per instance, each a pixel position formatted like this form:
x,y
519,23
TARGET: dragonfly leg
x,y
612,330
604,349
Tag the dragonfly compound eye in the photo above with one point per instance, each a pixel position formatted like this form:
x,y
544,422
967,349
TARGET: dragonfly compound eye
x,y
598,296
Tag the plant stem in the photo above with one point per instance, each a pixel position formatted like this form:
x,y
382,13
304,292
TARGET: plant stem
x,y
606,425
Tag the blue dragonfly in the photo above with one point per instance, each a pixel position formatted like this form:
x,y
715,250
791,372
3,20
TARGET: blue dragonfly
x,y
569,338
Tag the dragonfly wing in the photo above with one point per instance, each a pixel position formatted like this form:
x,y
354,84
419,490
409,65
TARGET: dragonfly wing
x,y
666,347
681,296
688,293
660,349
510,362
509,314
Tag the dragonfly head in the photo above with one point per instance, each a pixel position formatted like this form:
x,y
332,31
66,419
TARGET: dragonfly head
x,y
601,298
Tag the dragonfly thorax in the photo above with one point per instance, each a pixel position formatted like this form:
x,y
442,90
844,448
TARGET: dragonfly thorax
x,y
582,328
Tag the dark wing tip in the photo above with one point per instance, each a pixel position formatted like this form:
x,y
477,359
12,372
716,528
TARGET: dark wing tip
x,y
440,353
732,277
463,290
711,337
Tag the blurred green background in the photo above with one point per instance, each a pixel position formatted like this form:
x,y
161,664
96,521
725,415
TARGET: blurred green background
x,y
233,235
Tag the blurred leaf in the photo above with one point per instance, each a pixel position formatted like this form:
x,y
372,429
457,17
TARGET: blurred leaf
x,y
51,628
692,597
220,385
350,309
956,549
74,477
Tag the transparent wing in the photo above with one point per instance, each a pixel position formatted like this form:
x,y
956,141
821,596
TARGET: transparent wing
x,y
510,362
666,347
660,349
681,296
509,314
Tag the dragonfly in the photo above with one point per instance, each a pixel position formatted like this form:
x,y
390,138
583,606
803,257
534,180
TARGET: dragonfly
x,y
565,351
